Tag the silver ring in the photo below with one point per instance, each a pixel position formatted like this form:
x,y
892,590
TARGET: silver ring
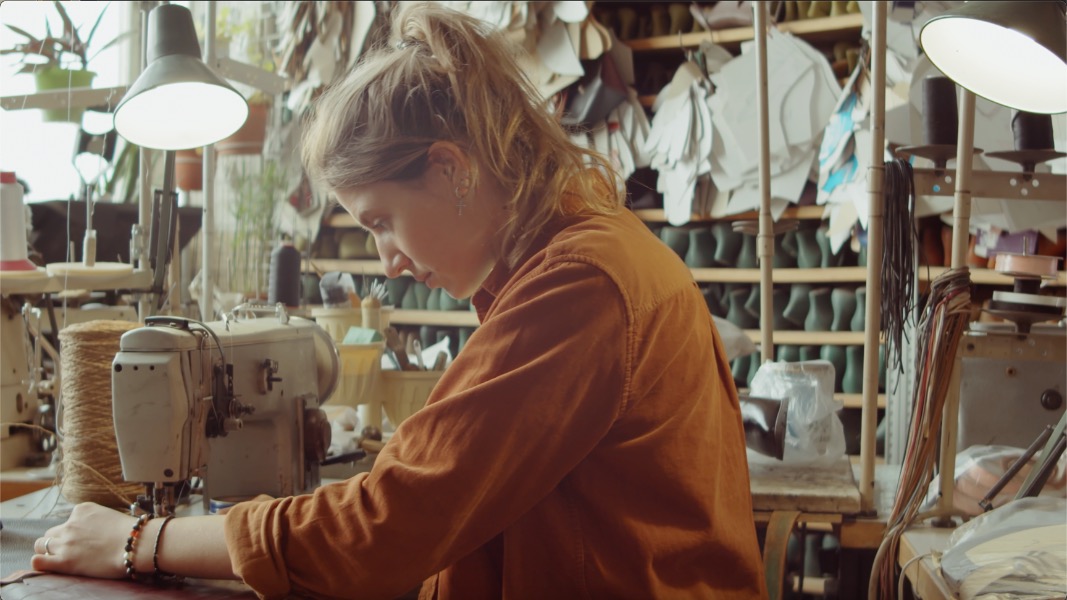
x,y
47,541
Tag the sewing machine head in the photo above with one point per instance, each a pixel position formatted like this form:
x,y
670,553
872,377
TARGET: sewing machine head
x,y
235,402
1013,375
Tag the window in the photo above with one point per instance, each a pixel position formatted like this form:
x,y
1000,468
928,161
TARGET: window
x,y
41,153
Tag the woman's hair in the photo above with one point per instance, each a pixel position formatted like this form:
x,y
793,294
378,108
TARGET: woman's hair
x,y
446,76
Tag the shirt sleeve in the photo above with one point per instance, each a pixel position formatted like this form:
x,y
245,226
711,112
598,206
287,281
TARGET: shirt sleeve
x,y
538,384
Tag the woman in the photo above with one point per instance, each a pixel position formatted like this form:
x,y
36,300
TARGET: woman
x,y
587,442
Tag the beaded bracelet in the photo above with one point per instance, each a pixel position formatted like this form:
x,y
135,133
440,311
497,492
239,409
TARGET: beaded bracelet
x,y
131,544
159,575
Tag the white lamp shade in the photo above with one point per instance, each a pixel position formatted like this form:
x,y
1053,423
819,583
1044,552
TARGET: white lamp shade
x,y
1011,53
177,102
181,115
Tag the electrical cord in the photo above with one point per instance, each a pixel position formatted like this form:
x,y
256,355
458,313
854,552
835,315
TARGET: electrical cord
x,y
941,324
904,570
898,259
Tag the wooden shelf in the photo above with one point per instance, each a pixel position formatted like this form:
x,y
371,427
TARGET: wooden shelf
x,y
339,220
856,400
649,215
813,30
828,275
438,318
366,266
810,338
983,276
722,275
656,215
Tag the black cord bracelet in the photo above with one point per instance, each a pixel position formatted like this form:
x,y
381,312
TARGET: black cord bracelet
x,y
159,575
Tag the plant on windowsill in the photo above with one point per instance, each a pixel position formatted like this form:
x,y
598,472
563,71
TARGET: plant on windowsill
x,y
59,61
238,28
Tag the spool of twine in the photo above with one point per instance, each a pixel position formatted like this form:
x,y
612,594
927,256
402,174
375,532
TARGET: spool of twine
x,y
940,116
90,470
1032,131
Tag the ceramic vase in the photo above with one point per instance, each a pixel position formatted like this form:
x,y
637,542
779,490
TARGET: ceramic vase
x,y
820,310
859,318
781,300
843,301
728,244
852,382
736,312
676,238
784,251
788,353
700,253
809,253
838,357
796,307
746,258
681,20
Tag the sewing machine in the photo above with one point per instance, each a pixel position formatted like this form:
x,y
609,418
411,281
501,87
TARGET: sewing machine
x,y
235,402
1013,375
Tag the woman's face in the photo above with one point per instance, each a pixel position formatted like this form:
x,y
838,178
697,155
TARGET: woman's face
x,y
418,228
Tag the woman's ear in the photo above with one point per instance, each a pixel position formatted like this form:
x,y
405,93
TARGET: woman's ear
x,y
449,158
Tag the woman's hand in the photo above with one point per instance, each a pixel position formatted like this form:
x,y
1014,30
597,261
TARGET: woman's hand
x,y
92,542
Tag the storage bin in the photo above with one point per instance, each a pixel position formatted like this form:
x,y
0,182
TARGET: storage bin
x,y
405,392
359,379
336,321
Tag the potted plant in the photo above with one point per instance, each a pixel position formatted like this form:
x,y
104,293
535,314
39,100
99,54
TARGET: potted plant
x,y
59,61
240,31
258,191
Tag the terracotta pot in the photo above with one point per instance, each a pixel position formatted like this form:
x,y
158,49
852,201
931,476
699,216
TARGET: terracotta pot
x,y
189,169
249,138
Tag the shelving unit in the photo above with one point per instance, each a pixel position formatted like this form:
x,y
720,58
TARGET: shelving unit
x,y
825,29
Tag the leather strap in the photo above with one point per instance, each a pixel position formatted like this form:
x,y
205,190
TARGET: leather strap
x,y
775,544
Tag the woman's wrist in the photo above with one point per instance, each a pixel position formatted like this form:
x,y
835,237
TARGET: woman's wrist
x,y
142,558
133,549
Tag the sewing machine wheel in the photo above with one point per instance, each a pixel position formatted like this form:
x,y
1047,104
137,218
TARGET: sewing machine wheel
x,y
327,364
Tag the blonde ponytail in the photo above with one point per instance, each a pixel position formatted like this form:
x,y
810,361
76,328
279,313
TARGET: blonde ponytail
x,y
448,76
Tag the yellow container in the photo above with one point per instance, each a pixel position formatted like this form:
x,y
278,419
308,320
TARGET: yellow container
x,y
336,321
405,392
358,383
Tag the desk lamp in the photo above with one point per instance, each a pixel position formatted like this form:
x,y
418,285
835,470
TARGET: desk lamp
x,y
177,102
1011,53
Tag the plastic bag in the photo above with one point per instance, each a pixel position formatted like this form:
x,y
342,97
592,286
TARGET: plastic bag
x,y
1015,551
814,433
978,468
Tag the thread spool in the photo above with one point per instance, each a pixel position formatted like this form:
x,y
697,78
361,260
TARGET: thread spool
x,y
940,116
90,469
13,255
1032,131
284,280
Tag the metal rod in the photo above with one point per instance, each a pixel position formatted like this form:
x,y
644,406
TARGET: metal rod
x,y
765,237
1044,469
207,217
144,191
987,501
961,223
872,309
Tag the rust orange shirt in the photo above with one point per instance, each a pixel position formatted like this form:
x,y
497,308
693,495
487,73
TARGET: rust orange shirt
x,y
586,443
